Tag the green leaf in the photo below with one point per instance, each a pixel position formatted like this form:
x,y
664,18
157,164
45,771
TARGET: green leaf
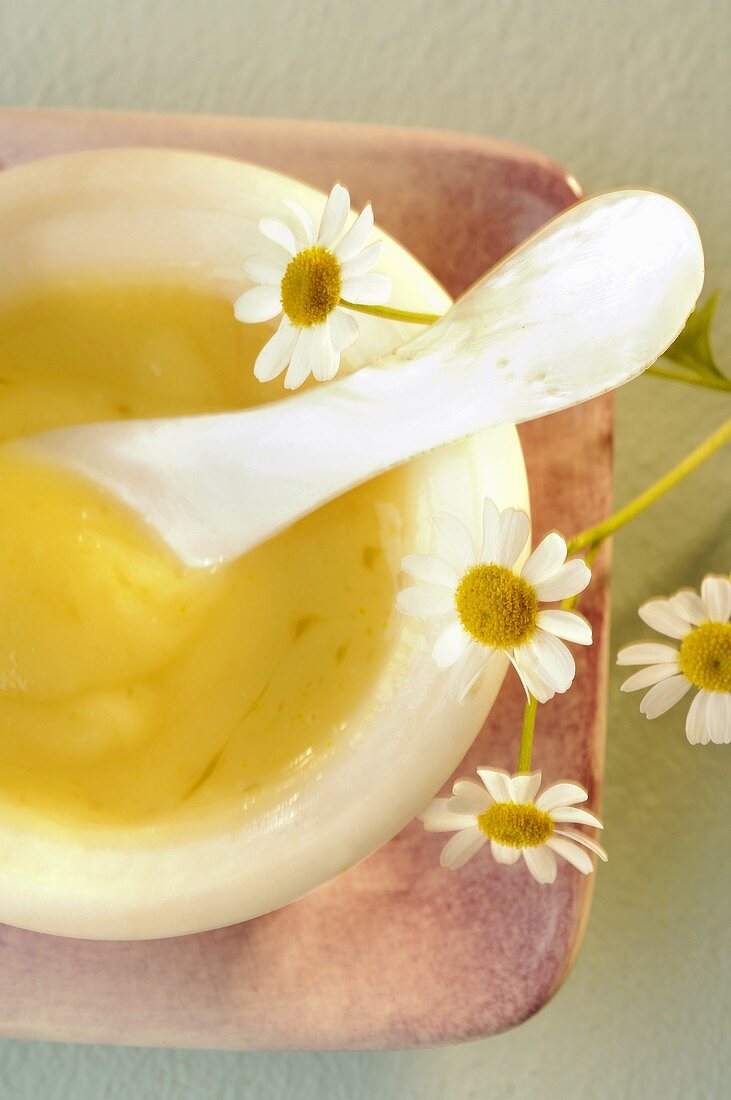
x,y
692,349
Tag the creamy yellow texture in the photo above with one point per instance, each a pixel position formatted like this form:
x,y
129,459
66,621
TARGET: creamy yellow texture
x,y
132,690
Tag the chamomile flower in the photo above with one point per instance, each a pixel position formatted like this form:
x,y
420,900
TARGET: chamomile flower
x,y
506,811
484,604
303,274
701,624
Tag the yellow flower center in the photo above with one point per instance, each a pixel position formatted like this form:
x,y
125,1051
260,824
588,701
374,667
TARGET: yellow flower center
x,y
516,824
496,606
705,656
311,286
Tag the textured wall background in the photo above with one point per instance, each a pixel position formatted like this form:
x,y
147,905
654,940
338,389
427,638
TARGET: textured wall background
x,y
622,93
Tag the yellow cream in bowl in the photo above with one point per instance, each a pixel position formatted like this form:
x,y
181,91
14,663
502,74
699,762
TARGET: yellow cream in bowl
x,y
134,691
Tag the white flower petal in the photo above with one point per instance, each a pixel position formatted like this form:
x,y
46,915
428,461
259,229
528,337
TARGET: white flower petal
x,y
451,644
569,580
363,262
572,853
280,233
457,805
301,363
716,595
576,815
524,788
653,674
718,717
463,846
541,863
474,792
344,329
357,236
503,854
430,568
367,290
582,838
325,359
659,615
526,665
546,559
329,365
276,353
436,818
271,253
261,303
561,794
425,600
490,532
334,215
466,673
469,797
265,270
696,725
647,653
305,229
663,696
514,533
565,624
688,605
458,539
554,662
497,782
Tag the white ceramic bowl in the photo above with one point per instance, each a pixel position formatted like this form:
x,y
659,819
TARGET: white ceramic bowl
x,y
197,216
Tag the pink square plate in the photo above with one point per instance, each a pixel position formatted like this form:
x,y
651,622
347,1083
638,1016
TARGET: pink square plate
x,y
396,952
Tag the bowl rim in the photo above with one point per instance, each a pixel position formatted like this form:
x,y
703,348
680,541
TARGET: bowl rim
x,y
178,905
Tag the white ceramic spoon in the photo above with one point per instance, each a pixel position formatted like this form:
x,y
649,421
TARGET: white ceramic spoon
x,y
583,306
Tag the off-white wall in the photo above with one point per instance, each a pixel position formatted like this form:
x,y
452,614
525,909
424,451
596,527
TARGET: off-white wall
x,y
622,92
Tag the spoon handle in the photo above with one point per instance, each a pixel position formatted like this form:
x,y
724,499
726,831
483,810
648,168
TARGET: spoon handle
x,y
589,302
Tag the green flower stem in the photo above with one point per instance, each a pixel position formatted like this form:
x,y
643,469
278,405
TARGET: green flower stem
x,y
595,536
708,382
391,314
526,737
